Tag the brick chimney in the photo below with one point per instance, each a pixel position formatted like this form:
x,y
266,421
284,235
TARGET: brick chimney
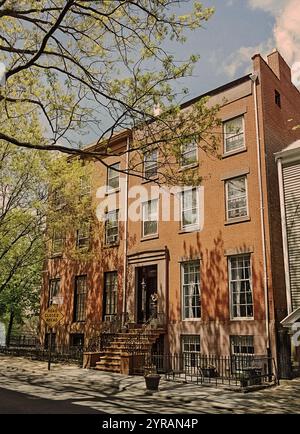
x,y
279,66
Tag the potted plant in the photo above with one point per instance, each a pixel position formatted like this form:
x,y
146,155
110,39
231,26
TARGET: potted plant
x,y
209,371
244,379
152,379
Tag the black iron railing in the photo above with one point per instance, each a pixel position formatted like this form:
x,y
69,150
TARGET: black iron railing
x,y
235,370
60,354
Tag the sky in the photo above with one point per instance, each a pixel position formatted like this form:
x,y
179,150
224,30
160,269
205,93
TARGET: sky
x,y
238,30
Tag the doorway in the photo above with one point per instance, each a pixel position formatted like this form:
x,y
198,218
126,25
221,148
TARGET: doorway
x,y
146,285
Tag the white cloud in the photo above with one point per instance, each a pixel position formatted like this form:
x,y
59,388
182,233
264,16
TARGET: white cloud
x,y
286,36
296,74
272,6
242,57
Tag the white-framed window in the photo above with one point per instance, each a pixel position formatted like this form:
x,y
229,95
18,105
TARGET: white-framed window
x,y
190,347
58,241
83,236
84,186
236,198
189,154
191,296
234,136
240,284
150,164
241,345
110,295
80,298
113,178
112,227
189,209
242,352
150,218
54,288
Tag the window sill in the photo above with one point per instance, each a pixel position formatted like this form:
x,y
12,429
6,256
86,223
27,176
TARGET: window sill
x,y
243,318
188,230
235,152
115,190
191,319
150,237
190,166
82,249
237,220
109,246
56,255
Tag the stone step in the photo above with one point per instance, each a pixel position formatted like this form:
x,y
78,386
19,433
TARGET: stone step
x,y
104,362
108,369
110,356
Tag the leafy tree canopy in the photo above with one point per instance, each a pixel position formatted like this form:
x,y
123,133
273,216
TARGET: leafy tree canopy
x,y
80,66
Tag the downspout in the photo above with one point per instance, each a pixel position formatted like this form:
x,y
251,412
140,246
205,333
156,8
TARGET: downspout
x,y
284,238
261,207
124,316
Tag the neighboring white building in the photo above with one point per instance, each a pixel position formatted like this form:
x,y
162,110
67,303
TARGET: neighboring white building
x,y
288,164
2,334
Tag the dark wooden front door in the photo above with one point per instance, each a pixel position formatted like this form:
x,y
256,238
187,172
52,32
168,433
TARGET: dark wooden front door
x,y
146,281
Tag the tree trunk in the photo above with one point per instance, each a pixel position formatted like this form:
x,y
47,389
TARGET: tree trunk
x,y
9,329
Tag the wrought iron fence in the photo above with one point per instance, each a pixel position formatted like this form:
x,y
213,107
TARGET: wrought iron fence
x,y
237,370
24,340
29,346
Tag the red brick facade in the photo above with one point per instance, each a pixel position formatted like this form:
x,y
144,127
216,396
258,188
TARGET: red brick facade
x,y
214,244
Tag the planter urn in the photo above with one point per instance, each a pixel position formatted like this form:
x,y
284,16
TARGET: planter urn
x,y
152,381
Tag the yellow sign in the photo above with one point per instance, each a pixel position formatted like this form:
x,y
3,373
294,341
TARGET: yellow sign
x,y
52,316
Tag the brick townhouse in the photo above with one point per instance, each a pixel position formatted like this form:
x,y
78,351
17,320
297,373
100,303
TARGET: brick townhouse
x,y
218,272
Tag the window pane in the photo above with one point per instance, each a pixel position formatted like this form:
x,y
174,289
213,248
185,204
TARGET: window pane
x,y
190,208
112,227
234,134
189,154
191,289
150,164
111,293
54,287
191,349
150,217
113,177
240,286
83,236
236,198
80,298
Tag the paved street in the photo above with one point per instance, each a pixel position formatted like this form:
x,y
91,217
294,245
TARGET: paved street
x,y
27,387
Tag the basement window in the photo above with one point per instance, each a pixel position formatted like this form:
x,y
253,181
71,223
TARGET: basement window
x,y
277,98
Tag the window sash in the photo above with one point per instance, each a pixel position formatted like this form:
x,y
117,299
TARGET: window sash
x,y
83,236
80,298
112,227
57,242
150,164
54,289
189,154
150,217
242,351
236,198
189,208
234,137
191,290
190,345
85,186
111,294
240,284
113,177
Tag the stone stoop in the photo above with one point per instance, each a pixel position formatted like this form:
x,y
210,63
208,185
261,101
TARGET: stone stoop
x,y
110,357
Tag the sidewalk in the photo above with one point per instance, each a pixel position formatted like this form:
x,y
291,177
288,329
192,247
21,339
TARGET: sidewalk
x,y
115,393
